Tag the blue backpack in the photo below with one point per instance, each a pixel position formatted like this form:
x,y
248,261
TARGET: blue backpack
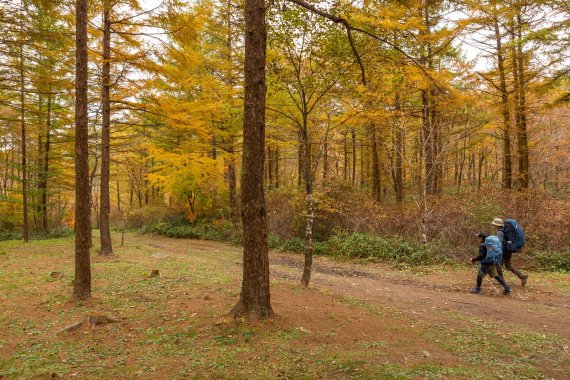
x,y
494,250
514,236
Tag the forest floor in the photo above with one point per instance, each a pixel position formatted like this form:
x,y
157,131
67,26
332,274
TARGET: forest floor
x,y
355,320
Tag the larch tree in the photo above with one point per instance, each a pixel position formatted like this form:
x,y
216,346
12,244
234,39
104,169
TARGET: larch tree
x,y
105,202
255,299
82,283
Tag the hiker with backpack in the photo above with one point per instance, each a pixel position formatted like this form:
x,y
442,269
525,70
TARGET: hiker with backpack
x,y
490,255
512,239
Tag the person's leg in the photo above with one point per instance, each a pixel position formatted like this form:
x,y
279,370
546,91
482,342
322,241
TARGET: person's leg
x,y
504,283
483,269
507,257
477,289
500,269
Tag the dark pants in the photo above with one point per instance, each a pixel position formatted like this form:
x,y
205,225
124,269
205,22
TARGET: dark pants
x,y
507,256
491,270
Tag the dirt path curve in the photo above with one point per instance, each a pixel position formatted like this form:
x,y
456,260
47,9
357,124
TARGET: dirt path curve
x,y
540,305
428,294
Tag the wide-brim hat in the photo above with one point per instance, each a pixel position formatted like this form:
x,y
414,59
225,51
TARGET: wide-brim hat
x,y
498,222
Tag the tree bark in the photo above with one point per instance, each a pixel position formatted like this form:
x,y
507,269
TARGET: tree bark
x,y
376,180
105,198
232,183
43,182
522,136
325,162
25,227
82,283
275,167
507,159
345,173
353,135
118,197
310,217
254,299
399,151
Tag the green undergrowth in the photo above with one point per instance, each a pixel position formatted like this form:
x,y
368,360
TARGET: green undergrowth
x,y
56,233
369,248
553,261
362,247
222,231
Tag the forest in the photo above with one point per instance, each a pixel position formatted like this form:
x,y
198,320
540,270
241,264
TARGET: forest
x,y
283,188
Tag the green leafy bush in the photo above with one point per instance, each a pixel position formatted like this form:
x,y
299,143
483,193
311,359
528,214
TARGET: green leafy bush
x,y
554,261
377,248
10,235
295,244
53,234
365,247
181,228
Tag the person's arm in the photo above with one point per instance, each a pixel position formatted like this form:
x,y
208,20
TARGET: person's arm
x,y
482,253
501,236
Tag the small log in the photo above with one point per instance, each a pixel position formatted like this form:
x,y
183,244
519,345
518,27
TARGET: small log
x,y
72,327
99,319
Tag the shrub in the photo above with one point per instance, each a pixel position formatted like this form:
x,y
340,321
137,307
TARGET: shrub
x,y
10,235
181,228
449,219
554,261
295,244
367,247
376,248
148,216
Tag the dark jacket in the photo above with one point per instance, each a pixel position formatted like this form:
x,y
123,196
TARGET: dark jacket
x,y
482,253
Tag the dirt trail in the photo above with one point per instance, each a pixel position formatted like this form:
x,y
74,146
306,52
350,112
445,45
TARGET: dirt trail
x,y
537,306
531,306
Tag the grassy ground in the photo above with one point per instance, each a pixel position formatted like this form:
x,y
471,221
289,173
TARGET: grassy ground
x,y
175,326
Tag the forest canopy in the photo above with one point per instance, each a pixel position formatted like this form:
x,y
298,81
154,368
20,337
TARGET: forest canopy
x,y
379,113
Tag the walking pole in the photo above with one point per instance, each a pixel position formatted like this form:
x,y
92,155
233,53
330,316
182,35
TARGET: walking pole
x,y
492,285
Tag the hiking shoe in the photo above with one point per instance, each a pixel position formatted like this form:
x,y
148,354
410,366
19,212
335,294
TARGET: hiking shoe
x,y
474,290
524,279
507,291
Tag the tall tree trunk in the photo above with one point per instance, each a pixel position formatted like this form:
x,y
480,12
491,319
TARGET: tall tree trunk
x,y
232,183
310,218
39,166
301,157
254,299
82,283
43,183
353,135
362,166
507,160
325,161
399,151
376,180
437,145
275,166
118,197
269,176
522,136
26,228
105,200
346,164
427,138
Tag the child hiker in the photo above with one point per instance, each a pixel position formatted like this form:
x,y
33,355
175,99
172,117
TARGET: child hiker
x,y
490,254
